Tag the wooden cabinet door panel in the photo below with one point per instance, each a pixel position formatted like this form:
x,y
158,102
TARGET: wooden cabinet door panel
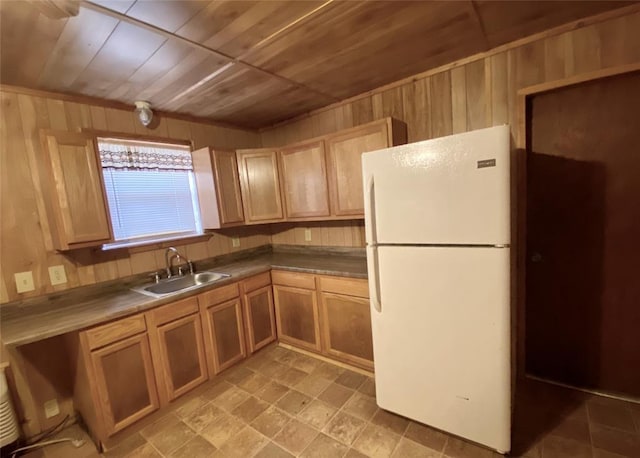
x,y
260,185
261,326
226,334
228,186
125,382
304,180
297,316
346,328
345,165
182,355
78,197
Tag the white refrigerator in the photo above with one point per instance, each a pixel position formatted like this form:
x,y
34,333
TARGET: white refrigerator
x,y
437,220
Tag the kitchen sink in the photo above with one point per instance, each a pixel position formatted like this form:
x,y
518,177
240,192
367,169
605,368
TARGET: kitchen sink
x,y
179,284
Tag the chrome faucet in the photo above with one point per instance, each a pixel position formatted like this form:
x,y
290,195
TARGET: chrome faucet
x,y
176,254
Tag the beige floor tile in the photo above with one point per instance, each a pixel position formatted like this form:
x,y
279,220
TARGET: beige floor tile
x,y
368,387
216,390
389,420
161,424
351,379
271,421
231,399
198,447
202,416
274,369
146,451
612,416
291,377
171,438
361,406
271,392
336,395
328,371
295,436
376,442
293,402
286,358
306,363
244,444
312,385
272,450
599,453
250,409
344,427
615,441
353,453
409,449
426,436
222,429
191,405
237,374
317,414
571,428
254,383
558,447
126,446
324,447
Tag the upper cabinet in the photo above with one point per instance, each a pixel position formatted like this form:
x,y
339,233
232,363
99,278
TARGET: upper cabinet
x,y
218,182
344,151
77,200
260,184
304,180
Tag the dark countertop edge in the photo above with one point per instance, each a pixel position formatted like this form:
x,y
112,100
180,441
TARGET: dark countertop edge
x,y
151,302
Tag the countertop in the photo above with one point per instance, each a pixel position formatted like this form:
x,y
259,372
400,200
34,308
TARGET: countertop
x,y
48,316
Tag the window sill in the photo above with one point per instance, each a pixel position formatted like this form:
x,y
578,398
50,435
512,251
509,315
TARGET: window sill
x,y
156,244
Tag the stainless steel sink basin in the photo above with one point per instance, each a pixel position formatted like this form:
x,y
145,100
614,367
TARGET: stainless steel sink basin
x,y
176,285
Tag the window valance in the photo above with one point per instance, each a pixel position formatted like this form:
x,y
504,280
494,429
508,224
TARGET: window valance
x,y
133,155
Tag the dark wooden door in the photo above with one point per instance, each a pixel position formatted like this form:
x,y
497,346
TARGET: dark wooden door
x,y
583,236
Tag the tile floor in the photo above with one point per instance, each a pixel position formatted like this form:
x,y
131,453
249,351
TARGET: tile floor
x,y
280,403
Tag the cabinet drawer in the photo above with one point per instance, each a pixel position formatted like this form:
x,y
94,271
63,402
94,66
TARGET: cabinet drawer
x,y
219,295
256,282
118,330
296,279
350,286
175,310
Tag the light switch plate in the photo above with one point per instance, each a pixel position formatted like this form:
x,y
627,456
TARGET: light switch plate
x,y
235,242
24,281
57,275
51,408
307,235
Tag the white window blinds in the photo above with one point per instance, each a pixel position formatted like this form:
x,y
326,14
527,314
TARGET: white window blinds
x,y
151,190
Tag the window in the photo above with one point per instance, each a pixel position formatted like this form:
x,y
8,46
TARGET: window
x,y
151,191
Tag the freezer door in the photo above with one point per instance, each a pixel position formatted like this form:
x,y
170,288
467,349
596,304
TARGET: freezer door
x,y
441,339
449,190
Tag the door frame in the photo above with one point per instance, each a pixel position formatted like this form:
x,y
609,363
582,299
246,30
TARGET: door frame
x,y
522,147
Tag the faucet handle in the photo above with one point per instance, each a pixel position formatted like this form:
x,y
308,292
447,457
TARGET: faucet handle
x,y
155,276
190,264
180,273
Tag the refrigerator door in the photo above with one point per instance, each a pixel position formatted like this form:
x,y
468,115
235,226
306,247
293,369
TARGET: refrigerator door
x,y
449,190
441,339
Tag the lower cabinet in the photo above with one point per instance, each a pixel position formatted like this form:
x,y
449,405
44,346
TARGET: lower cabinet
x,y
296,306
346,321
221,312
175,331
257,301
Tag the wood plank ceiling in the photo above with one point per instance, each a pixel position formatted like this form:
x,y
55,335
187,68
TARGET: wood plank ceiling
x,y
255,63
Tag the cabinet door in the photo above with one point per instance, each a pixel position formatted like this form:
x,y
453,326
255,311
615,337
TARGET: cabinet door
x,y
77,191
346,328
297,316
182,356
218,183
260,185
125,382
304,180
225,334
345,165
260,318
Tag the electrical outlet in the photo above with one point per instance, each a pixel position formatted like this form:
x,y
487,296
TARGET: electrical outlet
x,y
24,281
51,408
235,242
57,275
307,235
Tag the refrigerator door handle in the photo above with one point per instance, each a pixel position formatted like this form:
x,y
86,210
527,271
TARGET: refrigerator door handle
x,y
374,283
372,211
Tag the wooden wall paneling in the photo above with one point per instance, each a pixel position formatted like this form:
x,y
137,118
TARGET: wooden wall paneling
x,y
441,110
459,100
392,104
499,89
416,100
555,57
615,46
586,49
362,111
476,94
